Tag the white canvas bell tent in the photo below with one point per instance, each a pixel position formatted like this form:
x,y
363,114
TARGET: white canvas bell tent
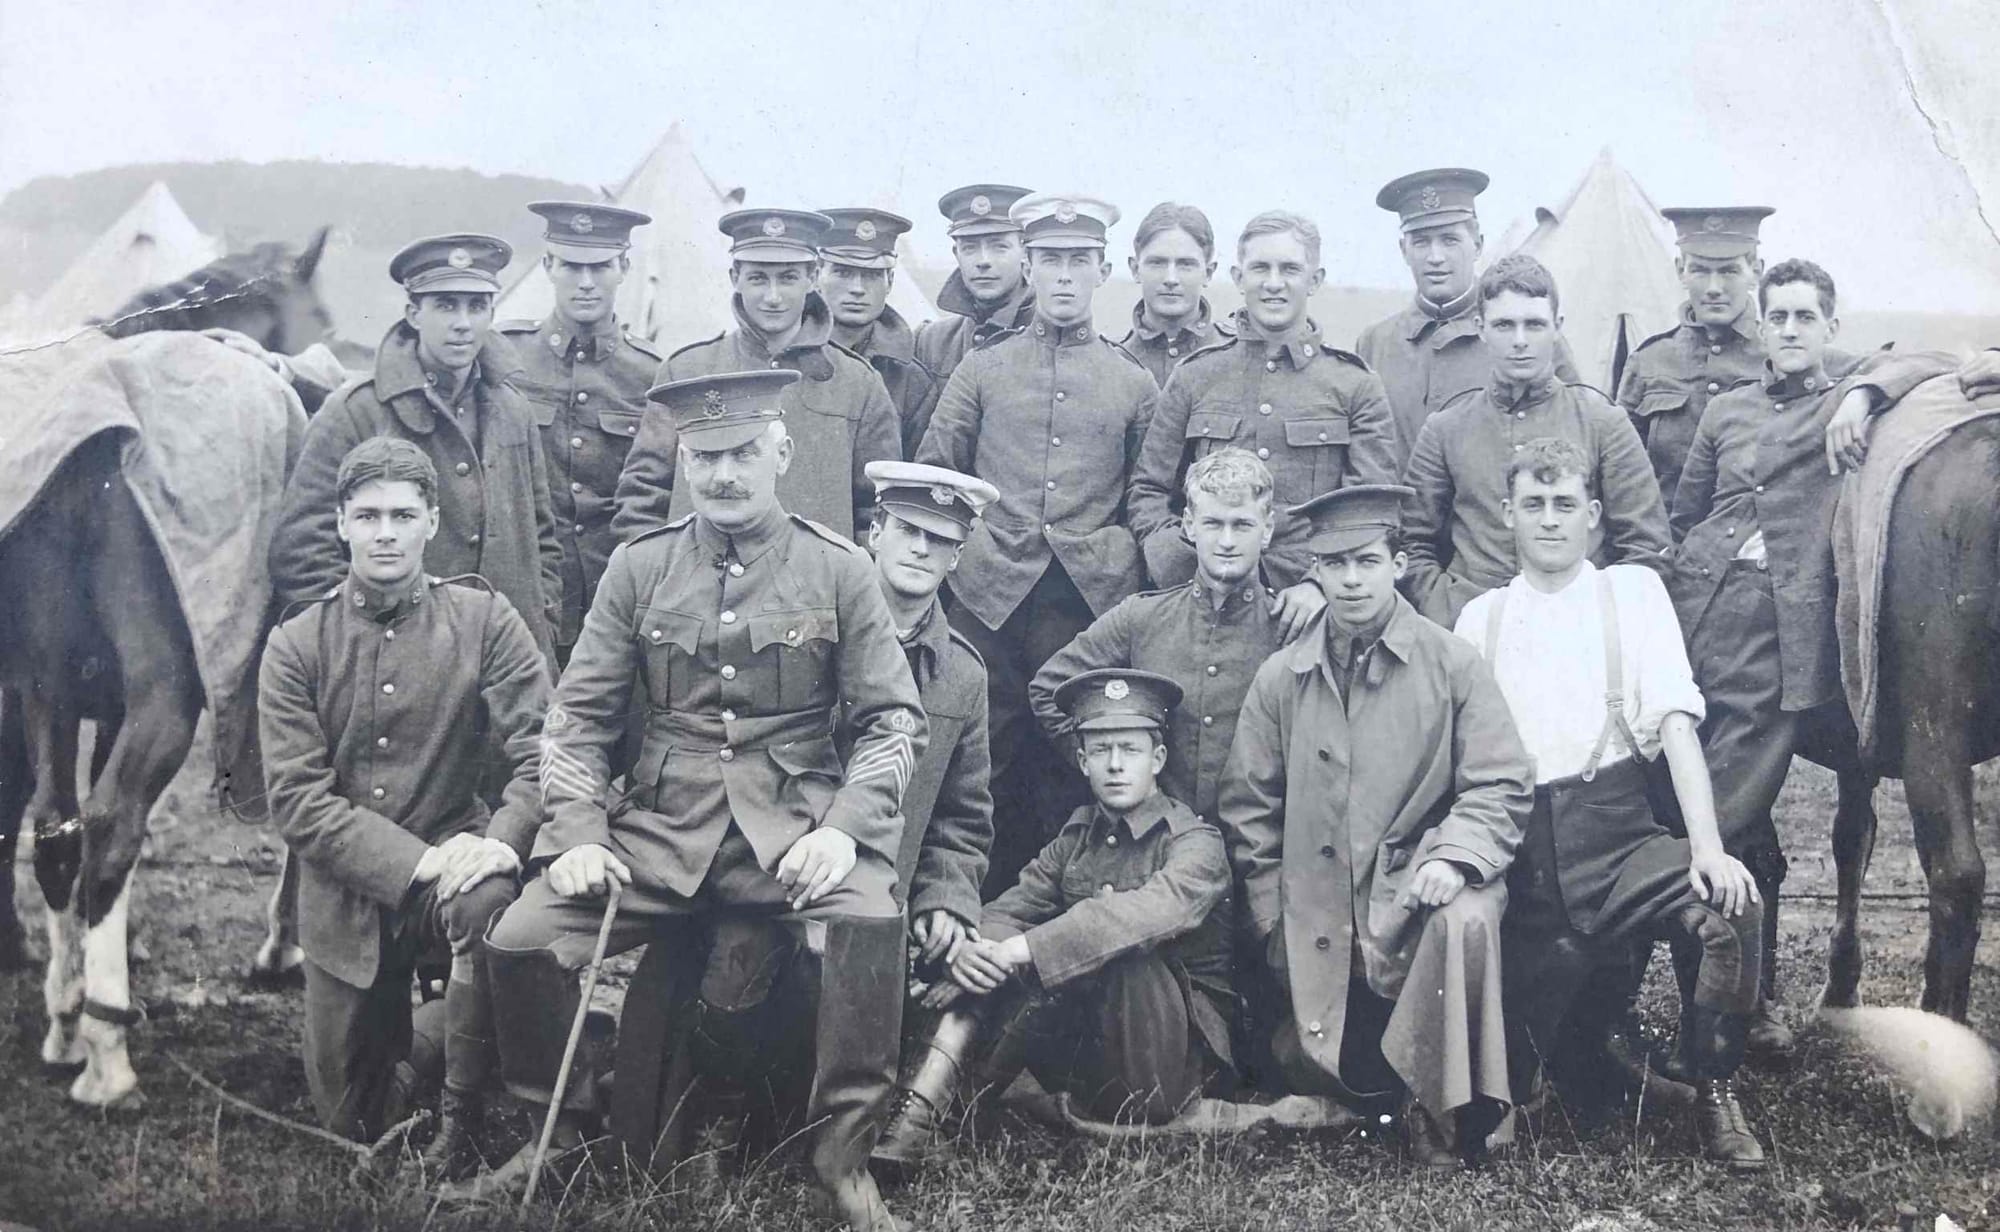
x,y
1612,255
152,242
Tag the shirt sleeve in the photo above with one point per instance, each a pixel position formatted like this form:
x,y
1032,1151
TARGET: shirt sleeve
x,y
1106,642
1374,452
951,863
884,721
1665,680
358,847
514,682
589,716
1036,896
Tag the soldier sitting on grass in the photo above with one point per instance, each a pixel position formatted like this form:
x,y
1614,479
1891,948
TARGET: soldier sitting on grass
x,y
1105,970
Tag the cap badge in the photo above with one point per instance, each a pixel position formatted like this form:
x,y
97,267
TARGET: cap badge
x,y
712,405
1429,197
1117,690
582,224
774,226
1712,223
944,494
1066,212
459,259
982,205
864,230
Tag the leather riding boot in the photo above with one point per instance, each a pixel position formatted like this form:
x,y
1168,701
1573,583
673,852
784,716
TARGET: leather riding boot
x,y
453,1152
541,999
925,1097
857,1037
1770,1040
1430,1143
1725,1131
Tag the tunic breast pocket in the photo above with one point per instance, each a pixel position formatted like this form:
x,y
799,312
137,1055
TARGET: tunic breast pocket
x,y
669,638
1211,430
803,641
620,423
1316,454
543,400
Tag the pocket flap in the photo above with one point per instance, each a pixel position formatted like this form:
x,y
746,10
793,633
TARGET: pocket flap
x,y
620,421
1319,430
795,628
1664,400
664,626
1212,426
815,756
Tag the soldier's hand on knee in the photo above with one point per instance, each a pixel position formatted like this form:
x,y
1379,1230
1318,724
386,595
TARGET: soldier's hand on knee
x,y
1436,883
586,872
1722,880
980,968
816,864
1295,608
486,857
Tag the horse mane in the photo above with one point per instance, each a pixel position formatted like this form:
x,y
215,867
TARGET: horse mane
x,y
196,300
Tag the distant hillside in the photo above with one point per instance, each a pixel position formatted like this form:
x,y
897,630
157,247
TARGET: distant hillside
x,y
374,208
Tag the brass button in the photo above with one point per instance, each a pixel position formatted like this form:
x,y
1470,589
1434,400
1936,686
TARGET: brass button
x,y
473,538
1263,408
727,755
388,688
1052,485
656,635
735,569
1211,669
1106,888
1322,943
1715,348
462,469
729,716
1270,365
1713,386
1111,840
729,618
390,634
1325,756
1060,395
575,487
381,742
1263,453
1315,1028
631,429
1760,489
1208,720
1055,440
576,442
378,793
729,671
1047,527
579,528
582,396
1731,532
1326,850
1173,352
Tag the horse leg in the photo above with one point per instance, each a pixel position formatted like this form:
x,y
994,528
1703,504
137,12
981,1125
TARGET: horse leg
x,y
1938,783
1853,848
280,959
107,1080
14,786
48,732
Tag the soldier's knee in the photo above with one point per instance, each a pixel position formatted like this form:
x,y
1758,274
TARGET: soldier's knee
x,y
468,914
743,964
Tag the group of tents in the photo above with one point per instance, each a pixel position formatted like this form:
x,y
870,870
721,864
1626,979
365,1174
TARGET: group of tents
x,y
1609,248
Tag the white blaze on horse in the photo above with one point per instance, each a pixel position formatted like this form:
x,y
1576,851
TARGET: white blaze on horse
x,y
145,466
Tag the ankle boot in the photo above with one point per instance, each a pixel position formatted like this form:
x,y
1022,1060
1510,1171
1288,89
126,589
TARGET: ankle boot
x,y
453,1153
1725,1131
922,1100
1430,1143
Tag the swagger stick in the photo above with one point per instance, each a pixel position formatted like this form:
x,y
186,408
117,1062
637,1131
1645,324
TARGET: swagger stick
x,y
569,1049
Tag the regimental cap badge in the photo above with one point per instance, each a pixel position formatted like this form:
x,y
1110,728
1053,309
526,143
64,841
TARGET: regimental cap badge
x,y
982,205
1714,222
1429,197
944,495
774,226
1065,212
1117,690
865,229
713,406
459,258
582,224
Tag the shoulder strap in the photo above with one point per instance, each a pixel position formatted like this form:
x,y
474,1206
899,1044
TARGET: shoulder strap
x,y
1615,726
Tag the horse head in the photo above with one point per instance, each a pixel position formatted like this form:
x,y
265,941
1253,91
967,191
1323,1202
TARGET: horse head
x,y
266,292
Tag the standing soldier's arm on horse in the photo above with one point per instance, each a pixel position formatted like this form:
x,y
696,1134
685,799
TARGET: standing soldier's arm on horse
x,y
1884,379
307,557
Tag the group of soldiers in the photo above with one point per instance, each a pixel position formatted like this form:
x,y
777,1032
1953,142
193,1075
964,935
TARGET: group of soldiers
x,y
1213,712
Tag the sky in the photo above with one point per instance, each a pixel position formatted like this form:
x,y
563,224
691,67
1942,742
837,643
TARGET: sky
x,y
1811,106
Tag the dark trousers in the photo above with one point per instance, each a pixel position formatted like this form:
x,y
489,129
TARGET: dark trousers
x,y
1596,873
354,1037
1122,1042
852,940
1036,784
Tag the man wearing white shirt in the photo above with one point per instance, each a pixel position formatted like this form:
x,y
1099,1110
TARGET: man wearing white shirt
x,y
1593,668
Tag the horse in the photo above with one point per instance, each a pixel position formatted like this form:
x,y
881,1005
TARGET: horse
x,y
1937,708
92,627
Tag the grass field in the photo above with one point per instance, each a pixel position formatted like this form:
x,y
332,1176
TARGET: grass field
x,y
1843,1155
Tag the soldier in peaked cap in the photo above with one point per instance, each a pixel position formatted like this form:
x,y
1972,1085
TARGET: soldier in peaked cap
x,y
440,381
781,727
840,414
1105,971
1430,352
1671,376
1373,801
1053,416
857,268
988,294
585,379
922,515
